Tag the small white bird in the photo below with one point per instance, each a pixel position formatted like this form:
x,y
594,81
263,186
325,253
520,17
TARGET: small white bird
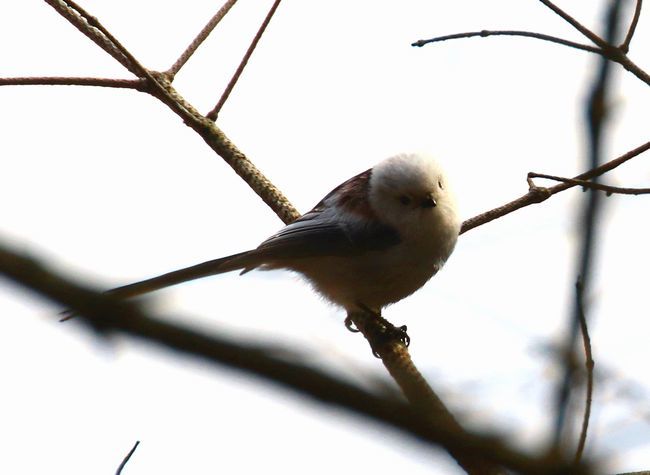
x,y
372,241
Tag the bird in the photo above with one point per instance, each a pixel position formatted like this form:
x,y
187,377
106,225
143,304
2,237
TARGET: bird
x,y
370,242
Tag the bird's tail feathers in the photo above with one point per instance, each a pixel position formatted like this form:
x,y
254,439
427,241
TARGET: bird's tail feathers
x,y
244,260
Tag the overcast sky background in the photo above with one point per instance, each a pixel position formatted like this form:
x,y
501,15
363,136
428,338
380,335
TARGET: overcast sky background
x,y
109,186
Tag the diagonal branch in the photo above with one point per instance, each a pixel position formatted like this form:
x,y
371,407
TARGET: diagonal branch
x,y
214,113
597,40
86,25
127,458
200,38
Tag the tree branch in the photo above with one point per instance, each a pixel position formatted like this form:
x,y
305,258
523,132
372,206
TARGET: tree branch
x,y
214,113
200,38
395,356
610,190
537,195
597,40
85,24
137,84
589,365
625,46
596,114
127,458
613,53
159,86
526,34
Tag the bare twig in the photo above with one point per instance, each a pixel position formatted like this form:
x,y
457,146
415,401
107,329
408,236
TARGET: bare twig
x,y
597,40
526,34
613,53
616,54
589,365
625,46
597,108
136,84
107,315
214,113
537,194
127,458
608,189
200,38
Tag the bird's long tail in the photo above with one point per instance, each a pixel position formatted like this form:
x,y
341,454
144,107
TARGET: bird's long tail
x,y
243,260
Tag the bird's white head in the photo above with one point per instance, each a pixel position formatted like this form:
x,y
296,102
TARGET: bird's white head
x,y
410,192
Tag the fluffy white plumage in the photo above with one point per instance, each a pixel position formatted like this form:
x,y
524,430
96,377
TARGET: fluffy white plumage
x,y
373,240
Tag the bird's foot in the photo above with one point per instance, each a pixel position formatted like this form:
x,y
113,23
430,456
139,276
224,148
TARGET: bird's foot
x,y
379,331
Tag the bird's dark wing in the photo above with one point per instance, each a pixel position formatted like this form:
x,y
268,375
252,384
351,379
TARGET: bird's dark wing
x,y
317,235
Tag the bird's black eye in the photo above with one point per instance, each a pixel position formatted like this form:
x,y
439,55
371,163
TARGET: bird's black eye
x,y
405,200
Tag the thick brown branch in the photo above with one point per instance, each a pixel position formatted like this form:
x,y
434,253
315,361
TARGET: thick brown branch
x,y
84,23
200,38
214,113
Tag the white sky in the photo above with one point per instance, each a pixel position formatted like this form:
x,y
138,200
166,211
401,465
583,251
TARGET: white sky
x,y
109,185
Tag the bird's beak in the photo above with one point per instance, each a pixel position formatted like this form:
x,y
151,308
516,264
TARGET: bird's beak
x,y
429,202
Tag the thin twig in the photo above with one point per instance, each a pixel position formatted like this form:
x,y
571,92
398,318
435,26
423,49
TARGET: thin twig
x,y
612,52
597,40
200,38
597,109
137,84
127,458
106,315
526,34
625,46
589,365
610,190
538,194
214,113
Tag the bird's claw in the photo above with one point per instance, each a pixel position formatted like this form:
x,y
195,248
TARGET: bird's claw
x,y
388,333
349,324
382,332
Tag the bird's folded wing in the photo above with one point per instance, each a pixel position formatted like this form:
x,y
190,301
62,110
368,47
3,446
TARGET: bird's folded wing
x,y
319,234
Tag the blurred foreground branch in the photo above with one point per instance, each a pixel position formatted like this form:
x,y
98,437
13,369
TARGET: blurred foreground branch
x,y
108,316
